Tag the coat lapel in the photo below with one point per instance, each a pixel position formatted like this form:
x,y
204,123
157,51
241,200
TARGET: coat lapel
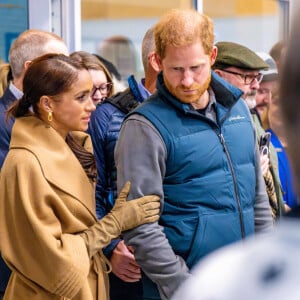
x,y
58,163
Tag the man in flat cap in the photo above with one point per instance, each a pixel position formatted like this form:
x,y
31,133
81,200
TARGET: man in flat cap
x,y
243,68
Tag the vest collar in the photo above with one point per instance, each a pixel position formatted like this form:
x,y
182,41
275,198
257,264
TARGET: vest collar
x,y
226,94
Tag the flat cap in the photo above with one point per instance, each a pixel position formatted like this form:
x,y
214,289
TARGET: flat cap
x,y
235,55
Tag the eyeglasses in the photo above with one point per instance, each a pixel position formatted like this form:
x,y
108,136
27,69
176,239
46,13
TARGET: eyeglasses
x,y
103,88
248,79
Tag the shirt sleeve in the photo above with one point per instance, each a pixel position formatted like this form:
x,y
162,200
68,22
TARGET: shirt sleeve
x,y
140,157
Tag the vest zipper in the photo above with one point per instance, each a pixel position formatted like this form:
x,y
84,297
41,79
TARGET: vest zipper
x,y
222,140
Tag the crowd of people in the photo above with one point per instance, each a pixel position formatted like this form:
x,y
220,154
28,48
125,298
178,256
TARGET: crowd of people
x,y
120,192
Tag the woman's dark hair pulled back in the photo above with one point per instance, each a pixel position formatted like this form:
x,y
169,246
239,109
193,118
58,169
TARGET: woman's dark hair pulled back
x,y
47,75
52,75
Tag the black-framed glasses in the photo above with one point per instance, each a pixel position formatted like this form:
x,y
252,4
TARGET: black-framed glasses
x,y
103,88
248,79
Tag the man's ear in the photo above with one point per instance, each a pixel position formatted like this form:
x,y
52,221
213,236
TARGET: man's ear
x,y
213,55
217,71
27,64
157,60
153,61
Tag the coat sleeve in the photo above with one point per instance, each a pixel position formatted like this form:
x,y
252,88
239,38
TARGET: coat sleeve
x,y
140,158
98,128
32,238
103,143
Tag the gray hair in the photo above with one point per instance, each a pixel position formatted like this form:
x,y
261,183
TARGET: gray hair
x,y
31,44
148,45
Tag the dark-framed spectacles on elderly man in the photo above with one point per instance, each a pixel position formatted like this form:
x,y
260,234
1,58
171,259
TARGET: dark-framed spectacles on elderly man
x,y
248,79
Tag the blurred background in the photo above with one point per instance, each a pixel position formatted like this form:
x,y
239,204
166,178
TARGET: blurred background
x,y
114,28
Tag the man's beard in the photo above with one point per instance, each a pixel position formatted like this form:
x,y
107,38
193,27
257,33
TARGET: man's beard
x,y
178,90
250,99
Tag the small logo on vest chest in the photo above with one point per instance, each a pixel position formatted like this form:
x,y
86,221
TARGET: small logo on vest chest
x,y
236,118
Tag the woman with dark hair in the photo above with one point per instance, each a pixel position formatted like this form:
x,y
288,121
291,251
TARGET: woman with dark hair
x,y
50,237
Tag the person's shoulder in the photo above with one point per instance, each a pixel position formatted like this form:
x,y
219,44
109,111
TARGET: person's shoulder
x,y
106,107
124,101
104,113
112,104
6,99
8,95
18,158
101,118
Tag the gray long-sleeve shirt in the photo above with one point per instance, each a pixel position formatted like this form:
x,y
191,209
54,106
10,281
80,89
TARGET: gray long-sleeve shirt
x,y
141,157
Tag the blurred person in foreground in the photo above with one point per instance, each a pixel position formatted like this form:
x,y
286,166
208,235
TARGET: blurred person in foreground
x,y
102,79
243,68
125,279
193,144
29,45
289,103
261,268
50,237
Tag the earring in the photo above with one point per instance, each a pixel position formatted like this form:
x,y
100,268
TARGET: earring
x,y
50,116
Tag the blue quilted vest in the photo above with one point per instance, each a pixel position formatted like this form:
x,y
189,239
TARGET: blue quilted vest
x,y
209,185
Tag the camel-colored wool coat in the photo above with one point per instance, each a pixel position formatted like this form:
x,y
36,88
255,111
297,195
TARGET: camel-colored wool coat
x,y
46,198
